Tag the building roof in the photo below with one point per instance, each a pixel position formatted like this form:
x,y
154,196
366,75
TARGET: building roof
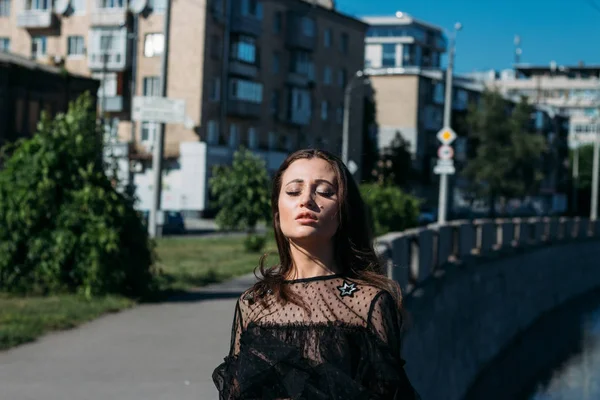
x,y
406,19
528,69
328,7
24,62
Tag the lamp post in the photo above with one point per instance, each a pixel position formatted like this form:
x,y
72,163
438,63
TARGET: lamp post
x,y
443,191
595,171
346,128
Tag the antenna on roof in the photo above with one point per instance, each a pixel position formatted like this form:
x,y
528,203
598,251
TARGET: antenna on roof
x,y
518,50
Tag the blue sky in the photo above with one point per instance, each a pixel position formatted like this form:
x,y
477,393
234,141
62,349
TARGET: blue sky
x,y
565,31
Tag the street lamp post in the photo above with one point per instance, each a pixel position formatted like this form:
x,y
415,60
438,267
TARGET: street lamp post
x,y
595,172
346,128
443,191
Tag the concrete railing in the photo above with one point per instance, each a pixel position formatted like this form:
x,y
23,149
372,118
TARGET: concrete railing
x,y
415,255
471,288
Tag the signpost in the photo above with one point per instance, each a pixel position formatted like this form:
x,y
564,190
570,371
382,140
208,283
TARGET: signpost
x,y
445,163
158,109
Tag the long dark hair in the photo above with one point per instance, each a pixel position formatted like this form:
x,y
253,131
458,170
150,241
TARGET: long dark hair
x,y
353,241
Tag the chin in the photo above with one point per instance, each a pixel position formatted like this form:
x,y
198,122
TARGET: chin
x,y
308,233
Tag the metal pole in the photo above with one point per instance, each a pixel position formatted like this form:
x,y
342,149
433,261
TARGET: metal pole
x,y
155,223
134,49
576,179
595,172
443,191
346,128
228,7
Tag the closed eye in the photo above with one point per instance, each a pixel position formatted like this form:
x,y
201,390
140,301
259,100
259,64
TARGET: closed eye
x,y
326,194
294,193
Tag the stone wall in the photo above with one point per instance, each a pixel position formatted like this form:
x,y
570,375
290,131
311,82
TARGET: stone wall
x,y
471,287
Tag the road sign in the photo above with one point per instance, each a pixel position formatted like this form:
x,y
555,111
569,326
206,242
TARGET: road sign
x,y
352,167
158,109
446,135
445,152
444,167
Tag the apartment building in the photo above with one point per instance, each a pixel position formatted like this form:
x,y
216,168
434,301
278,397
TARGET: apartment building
x,y
403,63
267,74
569,90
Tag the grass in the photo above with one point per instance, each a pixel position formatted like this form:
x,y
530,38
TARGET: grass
x,y
185,263
23,319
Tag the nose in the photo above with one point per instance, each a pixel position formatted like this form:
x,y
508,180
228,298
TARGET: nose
x,y
307,199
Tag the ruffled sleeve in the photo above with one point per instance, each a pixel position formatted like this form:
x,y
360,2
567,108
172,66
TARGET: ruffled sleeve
x,y
225,375
385,321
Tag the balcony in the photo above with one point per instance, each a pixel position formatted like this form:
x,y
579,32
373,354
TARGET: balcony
x,y
115,61
244,109
35,18
240,68
295,39
299,80
246,24
111,104
108,16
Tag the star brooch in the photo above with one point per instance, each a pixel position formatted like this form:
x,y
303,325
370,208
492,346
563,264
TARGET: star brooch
x,y
347,289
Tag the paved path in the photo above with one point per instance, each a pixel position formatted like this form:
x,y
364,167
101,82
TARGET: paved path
x,y
152,352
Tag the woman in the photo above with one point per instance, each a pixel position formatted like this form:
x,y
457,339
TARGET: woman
x,y
325,323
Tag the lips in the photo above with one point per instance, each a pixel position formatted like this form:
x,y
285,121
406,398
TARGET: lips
x,y
306,216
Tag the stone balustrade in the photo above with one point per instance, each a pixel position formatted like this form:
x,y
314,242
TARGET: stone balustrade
x,y
415,255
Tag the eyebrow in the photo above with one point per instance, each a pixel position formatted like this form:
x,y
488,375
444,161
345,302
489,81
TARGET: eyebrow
x,y
316,181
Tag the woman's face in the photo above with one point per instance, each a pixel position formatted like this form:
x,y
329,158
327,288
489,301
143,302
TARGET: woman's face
x,y
308,201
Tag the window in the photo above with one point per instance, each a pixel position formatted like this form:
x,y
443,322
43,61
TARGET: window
x,y
38,4
327,37
38,47
246,90
151,86
78,6
301,63
276,63
438,93
277,22
342,78
275,96
75,46
233,136
308,26
108,83
154,44
344,43
244,49
324,110
212,134
340,114
388,55
4,8
110,3
272,140
251,8
327,75
252,138
4,44
215,89
300,106
157,6
149,131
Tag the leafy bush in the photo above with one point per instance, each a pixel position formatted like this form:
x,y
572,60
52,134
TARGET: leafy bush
x,y
254,243
65,227
390,209
242,192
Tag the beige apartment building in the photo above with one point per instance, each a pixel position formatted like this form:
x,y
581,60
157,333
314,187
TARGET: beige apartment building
x,y
267,74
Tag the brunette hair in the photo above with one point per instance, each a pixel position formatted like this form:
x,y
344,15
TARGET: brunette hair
x,y
353,241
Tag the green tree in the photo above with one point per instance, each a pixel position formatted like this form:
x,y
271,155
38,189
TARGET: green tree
x,y
390,209
506,161
65,227
241,192
395,163
370,146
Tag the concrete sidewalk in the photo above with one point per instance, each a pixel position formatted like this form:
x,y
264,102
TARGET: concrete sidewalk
x,y
152,352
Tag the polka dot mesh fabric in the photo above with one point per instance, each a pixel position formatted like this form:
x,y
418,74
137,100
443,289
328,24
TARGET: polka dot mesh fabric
x,y
346,347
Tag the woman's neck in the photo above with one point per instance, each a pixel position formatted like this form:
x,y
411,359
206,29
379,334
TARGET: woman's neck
x,y
312,261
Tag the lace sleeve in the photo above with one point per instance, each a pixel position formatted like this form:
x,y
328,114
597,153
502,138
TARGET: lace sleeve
x,y
225,375
385,321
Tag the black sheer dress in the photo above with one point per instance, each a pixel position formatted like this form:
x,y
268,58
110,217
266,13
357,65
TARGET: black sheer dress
x,y
348,348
